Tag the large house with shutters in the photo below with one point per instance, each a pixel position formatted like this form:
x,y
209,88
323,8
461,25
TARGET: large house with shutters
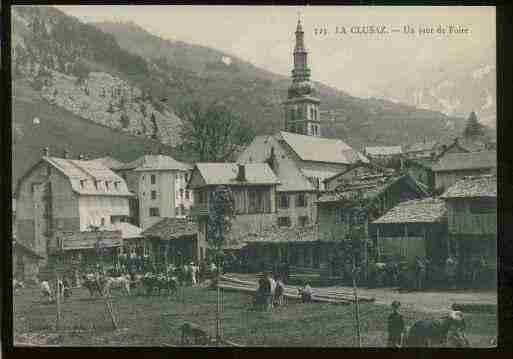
x,y
299,156
59,201
159,183
254,191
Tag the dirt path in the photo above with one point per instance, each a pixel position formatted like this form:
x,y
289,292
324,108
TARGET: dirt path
x,y
428,301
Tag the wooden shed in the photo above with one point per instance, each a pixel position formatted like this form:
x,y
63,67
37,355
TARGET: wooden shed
x,y
415,228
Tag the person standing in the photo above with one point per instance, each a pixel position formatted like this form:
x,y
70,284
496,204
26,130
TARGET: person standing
x,y
395,326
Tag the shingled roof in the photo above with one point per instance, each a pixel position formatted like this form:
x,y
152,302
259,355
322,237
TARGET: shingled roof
x,y
320,149
421,146
473,187
171,228
383,150
226,173
427,210
466,161
128,230
367,187
155,163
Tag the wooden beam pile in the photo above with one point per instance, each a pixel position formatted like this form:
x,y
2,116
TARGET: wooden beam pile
x,y
319,295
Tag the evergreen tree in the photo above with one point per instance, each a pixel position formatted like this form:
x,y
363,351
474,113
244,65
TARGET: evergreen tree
x,y
473,128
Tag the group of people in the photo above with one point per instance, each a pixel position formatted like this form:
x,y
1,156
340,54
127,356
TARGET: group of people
x,y
270,293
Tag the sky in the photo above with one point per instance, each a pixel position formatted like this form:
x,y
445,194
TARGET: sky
x,y
353,62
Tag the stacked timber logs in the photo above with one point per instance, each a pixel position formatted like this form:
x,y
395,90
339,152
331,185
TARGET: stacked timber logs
x,y
319,295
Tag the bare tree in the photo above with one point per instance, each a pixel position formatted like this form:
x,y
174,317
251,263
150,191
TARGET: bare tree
x,y
212,133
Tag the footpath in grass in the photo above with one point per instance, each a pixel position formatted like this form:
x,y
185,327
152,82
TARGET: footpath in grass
x,y
156,320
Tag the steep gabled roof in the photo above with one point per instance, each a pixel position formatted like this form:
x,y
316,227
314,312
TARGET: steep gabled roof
x,y
473,187
171,228
370,165
383,150
225,174
85,175
277,234
466,161
155,163
367,187
320,149
26,250
427,210
109,162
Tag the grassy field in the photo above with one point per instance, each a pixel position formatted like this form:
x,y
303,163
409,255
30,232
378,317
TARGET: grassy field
x,y
155,321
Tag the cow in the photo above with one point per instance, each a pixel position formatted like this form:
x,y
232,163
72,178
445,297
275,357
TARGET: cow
x,y
160,282
93,284
434,332
193,334
122,282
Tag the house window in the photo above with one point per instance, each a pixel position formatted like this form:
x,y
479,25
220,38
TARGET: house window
x,y
284,200
186,177
153,194
181,193
284,221
302,221
177,211
82,183
301,200
153,179
103,221
96,184
154,212
187,195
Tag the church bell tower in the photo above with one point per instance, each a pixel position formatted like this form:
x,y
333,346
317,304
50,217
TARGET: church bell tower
x,y
302,105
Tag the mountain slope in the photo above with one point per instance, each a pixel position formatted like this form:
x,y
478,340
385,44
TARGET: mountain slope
x,y
59,129
206,74
83,70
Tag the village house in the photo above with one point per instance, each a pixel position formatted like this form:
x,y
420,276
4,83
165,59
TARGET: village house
x,y
173,241
60,201
299,156
159,183
454,166
351,203
472,222
411,229
254,190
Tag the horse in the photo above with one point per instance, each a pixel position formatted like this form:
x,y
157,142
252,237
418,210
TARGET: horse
x,y
122,282
429,332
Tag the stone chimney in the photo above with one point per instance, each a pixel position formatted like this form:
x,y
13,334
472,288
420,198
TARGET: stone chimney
x,y
81,157
46,152
65,154
456,140
241,174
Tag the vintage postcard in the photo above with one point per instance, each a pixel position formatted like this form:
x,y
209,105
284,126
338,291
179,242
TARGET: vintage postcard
x,y
250,176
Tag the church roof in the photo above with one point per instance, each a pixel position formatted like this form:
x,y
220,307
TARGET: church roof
x,y
320,149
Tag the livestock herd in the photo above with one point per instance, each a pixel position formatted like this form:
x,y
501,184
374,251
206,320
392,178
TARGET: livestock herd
x,y
448,330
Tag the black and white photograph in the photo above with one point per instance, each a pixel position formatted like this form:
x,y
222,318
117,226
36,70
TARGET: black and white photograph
x,y
254,176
